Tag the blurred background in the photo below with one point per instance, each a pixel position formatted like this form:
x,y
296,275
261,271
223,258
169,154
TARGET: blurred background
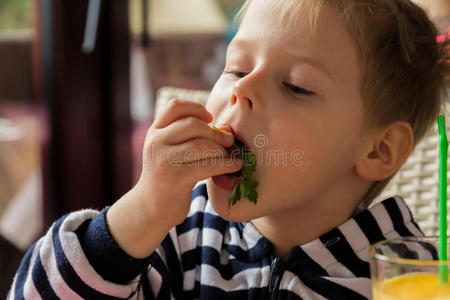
x,y
78,82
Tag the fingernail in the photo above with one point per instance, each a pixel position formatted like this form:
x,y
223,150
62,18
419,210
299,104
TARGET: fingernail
x,y
225,127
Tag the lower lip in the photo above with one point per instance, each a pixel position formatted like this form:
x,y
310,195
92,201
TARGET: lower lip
x,y
226,182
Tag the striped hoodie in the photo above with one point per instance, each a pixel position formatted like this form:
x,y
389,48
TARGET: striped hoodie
x,y
206,257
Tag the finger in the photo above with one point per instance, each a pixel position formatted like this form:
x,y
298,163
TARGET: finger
x,y
190,128
214,166
178,109
195,150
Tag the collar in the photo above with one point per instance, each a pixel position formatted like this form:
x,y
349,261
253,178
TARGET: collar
x,y
388,219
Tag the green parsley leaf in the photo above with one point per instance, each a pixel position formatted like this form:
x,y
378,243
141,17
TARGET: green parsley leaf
x,y
246,186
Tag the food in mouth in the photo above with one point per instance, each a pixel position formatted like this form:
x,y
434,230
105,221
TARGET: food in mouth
x,y
240,182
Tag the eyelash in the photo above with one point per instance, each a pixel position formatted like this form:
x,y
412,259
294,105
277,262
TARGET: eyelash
x,y
291,87
236,74
297,89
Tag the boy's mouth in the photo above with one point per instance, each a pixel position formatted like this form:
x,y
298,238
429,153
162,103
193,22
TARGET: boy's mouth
x,y
236,151
240,182
234,174
227,181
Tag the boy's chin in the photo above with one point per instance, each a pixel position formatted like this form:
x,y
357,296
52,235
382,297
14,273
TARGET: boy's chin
x,y
218,198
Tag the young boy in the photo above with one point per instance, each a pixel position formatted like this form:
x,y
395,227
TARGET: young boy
x,y
340,91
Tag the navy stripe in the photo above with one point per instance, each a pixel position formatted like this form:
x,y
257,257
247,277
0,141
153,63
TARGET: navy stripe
x,y
202,220
288,295
68,273
262,249
41,282
239,226
22,273
215,222
191,258
194,293
431,249
311,274
211,256
345,254
144,285
403,251
200,190
396,216
173,265
299,260
210,292
158,264
369,226
191,222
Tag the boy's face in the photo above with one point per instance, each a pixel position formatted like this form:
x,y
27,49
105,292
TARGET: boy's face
x,y
296,103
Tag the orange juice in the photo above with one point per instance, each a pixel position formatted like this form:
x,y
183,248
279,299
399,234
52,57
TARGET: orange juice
x,y
412,286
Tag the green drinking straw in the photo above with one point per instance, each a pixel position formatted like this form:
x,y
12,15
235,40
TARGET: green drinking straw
x,y
443,149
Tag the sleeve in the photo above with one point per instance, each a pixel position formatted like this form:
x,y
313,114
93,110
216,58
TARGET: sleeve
x,y
78,259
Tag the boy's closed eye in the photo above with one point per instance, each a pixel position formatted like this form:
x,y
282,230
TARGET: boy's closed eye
x,y
236,74
292,88
297,90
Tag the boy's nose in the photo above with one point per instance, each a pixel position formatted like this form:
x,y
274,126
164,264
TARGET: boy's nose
x,y
250,90
241,96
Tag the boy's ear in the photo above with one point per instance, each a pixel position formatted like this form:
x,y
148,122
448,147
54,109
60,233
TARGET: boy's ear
x,y
385,152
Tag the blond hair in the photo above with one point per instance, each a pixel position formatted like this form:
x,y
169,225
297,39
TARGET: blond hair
x,y
405,71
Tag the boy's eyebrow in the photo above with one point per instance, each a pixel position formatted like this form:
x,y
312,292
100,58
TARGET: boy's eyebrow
x,y
303,59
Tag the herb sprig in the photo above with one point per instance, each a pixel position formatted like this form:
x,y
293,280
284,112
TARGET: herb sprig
x,y
246,186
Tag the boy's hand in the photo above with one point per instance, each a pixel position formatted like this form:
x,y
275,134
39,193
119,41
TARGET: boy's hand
x,y
180,149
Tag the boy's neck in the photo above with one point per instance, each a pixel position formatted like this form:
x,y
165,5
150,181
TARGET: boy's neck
x,y
297,227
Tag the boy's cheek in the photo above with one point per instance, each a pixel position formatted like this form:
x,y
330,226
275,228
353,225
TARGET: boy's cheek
x,y
222,89
214,108
217,100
